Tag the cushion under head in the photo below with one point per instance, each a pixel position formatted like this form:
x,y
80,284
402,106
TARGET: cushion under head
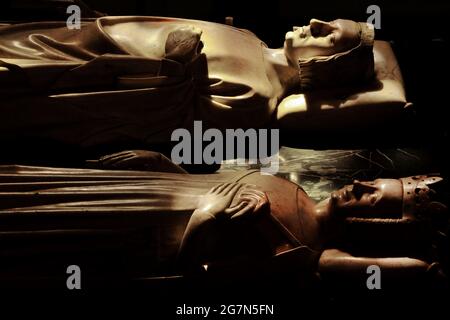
x,y
342,108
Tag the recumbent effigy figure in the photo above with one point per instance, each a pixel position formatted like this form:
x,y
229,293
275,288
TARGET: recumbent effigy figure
x,y
223,225
130,81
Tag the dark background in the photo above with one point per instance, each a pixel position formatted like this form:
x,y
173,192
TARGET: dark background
x,y
271,19
410,19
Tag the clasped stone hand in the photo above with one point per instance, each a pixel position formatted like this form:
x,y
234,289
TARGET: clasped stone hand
x,y
217,202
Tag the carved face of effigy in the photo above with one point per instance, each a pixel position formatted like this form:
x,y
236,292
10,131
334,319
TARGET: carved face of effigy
x,y
372,199
321,38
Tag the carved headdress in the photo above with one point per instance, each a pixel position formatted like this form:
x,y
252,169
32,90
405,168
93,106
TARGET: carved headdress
x,y
354,66
418,196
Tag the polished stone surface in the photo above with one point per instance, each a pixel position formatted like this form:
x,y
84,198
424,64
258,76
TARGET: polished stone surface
x,y
321,171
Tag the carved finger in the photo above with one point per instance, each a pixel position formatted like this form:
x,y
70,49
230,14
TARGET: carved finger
x,y
260,200
215,188
126,161
221,188
250,186
255,191
235,208
249,200
117,160
117,154
227,189
251,190
250,196
249,208
113,161
232,189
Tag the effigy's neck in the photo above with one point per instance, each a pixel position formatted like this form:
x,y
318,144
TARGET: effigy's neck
x,y
286,74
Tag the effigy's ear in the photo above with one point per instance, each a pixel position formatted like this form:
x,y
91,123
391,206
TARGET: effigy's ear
x,y
183,44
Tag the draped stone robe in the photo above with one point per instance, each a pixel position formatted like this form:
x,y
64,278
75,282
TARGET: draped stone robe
x,y
109,83
130,221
